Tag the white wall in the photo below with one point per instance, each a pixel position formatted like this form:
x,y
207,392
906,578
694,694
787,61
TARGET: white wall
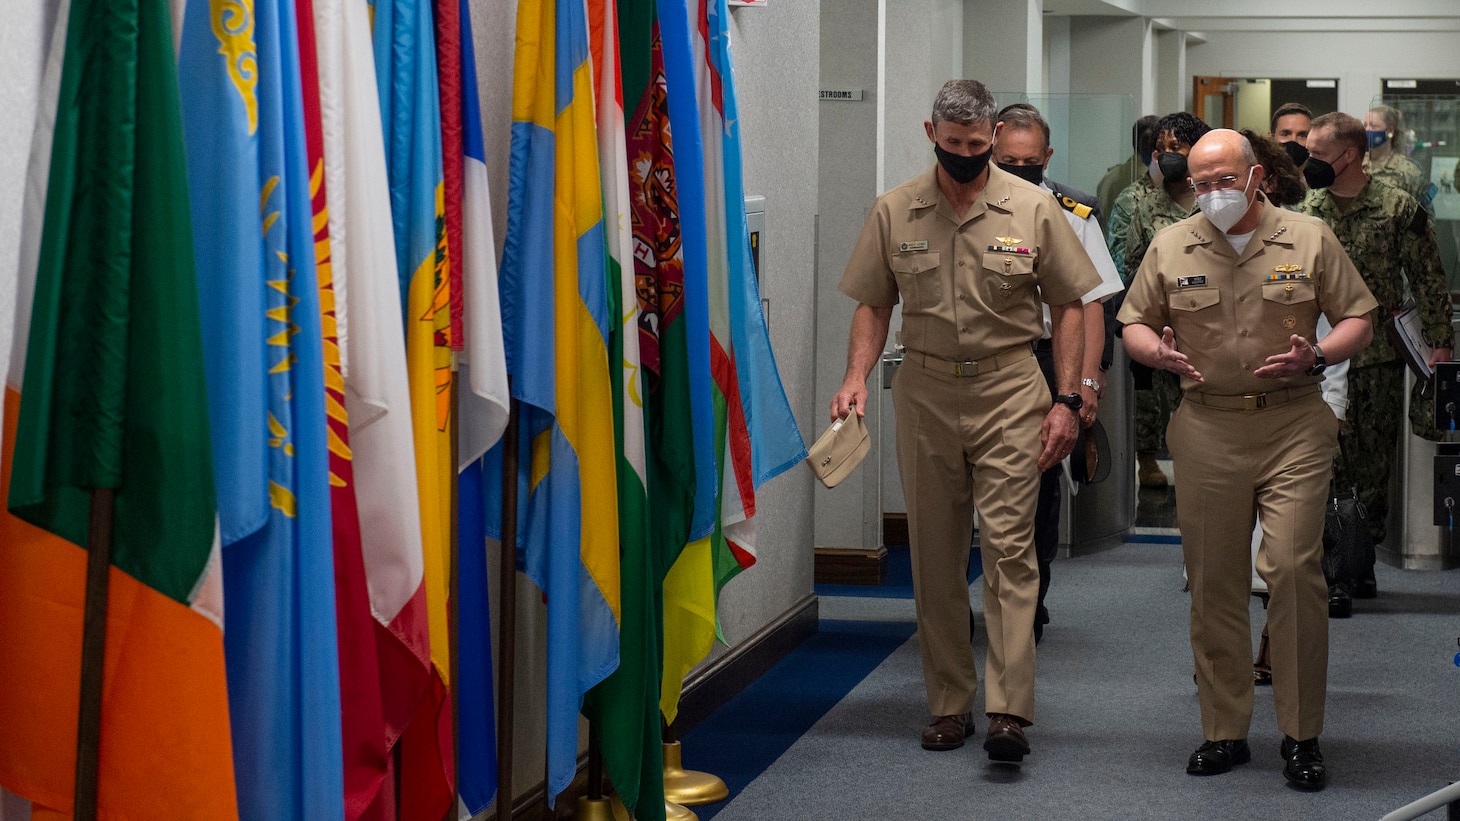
x,y
1358,59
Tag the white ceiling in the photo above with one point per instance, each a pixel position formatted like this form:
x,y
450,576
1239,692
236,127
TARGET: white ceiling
x,y
1257,15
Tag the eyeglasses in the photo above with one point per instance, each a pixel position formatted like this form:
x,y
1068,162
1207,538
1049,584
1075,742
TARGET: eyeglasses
x,y
1218,184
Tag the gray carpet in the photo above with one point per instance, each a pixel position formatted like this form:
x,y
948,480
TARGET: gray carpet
x,y
1117,715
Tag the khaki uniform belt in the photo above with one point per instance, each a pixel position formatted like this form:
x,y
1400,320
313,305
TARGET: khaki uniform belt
x,y
971,367
1250,401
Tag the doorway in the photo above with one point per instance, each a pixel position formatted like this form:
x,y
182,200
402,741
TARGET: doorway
x,y
1248,102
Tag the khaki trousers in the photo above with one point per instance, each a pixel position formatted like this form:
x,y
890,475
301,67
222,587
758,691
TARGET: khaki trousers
x,y
966,443
1230,464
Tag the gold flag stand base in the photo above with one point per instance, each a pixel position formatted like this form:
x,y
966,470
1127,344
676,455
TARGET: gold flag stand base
x,y
612,809
689,787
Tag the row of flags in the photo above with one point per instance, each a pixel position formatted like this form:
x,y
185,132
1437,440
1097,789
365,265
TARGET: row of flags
x,y
258,298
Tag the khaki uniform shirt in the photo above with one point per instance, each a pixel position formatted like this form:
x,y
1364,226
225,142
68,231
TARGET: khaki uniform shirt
x,y
1230,313
970,287
1388,236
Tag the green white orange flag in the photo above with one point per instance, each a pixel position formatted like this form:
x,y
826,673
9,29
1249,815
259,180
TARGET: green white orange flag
x,y
106,390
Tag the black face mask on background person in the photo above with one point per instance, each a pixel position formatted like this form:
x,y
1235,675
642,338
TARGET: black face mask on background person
x,y
1029,173
1296,152
1173,167
1319,174
963,169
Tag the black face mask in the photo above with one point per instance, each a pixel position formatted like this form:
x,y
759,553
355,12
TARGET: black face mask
x,y
1318,173
1296,152
1173,167
1029,173
961,168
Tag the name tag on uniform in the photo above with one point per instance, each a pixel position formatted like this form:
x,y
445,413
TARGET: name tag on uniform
x,y
919,245
1187,282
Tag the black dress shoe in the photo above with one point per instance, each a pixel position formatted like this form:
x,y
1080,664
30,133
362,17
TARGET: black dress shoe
x,y
1217,757
1005,740
1304,768
947,732
1364,588
1340,603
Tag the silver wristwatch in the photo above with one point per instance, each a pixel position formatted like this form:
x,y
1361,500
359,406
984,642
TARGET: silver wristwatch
x,y
1091,384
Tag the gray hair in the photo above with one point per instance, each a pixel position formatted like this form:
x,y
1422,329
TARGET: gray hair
x,y
966,102
1249,156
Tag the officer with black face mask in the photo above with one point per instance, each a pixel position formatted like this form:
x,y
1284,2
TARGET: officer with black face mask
x,y
969,253
1023,150
1168,200
1387,234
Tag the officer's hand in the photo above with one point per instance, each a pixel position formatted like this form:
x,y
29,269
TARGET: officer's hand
x,y
1060,430
852,395
1170,359
1295,361
1440,355
1091,405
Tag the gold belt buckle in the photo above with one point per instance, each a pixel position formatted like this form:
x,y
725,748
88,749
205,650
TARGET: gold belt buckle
x,y
968,367
1254,401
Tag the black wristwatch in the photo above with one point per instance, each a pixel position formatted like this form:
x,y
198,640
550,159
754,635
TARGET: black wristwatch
x,y
1319,362
1072,400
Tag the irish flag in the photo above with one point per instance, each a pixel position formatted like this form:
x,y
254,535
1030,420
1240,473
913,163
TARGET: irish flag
x,y
105,390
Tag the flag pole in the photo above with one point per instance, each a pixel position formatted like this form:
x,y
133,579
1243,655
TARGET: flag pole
x,y
93,651
453,597
507,621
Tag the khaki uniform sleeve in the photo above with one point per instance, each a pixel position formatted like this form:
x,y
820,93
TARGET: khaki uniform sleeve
x,y
1065,270
868,277
1145,299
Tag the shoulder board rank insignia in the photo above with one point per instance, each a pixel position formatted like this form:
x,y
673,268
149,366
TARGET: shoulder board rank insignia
x,y
1009,240
1079,209
1279,232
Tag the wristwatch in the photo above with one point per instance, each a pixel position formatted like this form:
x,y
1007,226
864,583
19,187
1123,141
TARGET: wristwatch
x,y
1091,384
1319,362
1071,400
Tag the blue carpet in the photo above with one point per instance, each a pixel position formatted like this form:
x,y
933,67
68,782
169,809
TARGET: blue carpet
x,y
899,578
753,729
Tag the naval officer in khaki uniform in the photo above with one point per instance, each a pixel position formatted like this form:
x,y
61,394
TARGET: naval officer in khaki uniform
x,y
1228,300
970,251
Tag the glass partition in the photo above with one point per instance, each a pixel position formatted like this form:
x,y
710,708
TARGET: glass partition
x,y
1431,124
1088,132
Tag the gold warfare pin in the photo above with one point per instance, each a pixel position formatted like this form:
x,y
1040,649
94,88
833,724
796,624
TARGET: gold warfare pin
x,y
1009,240
1287,269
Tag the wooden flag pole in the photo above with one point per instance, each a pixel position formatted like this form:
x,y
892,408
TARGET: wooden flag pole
x,y
507,620
453,596
93,652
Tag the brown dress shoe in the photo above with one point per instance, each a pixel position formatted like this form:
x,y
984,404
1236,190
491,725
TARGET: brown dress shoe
x,y
947,732
1005,740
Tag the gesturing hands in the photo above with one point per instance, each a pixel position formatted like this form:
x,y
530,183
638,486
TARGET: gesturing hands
x,y
1295,361
1170,359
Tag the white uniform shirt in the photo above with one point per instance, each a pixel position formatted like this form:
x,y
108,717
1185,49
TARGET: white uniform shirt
x,y
1088,231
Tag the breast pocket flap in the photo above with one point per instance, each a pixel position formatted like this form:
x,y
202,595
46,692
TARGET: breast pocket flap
x,y
1194,299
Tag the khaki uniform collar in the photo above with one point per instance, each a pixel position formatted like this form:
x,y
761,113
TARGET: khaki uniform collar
x,y
996,194
1269,231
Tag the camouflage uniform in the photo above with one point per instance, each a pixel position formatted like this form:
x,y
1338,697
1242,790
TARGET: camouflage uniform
x,y
1117,178
1400,172
1118,224
1389,238
1151,210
